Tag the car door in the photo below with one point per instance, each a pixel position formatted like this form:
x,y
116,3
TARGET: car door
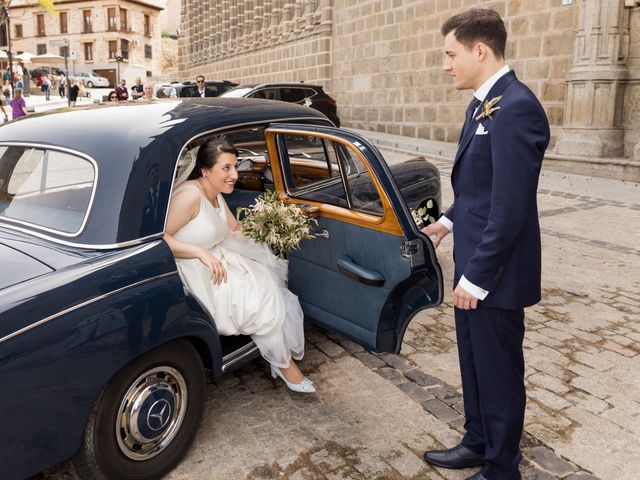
x,y
370,269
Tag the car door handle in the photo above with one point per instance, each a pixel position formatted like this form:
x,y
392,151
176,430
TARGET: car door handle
x,y
364,275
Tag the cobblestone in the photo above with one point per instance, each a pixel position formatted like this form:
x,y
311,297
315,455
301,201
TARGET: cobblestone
x,y
582,357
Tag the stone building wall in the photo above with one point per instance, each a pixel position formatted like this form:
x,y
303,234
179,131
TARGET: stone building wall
x,y
257,40
24,14
382,61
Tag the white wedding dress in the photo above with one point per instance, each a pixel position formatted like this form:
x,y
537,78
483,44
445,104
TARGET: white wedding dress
x,y
254,300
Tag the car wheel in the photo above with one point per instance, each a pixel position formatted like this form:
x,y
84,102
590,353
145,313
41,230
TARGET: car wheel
x,y
146,417
89,84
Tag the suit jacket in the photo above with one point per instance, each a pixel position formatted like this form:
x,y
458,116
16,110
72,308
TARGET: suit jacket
x,y
207,93
495,179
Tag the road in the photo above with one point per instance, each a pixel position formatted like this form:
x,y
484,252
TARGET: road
x,y
374,415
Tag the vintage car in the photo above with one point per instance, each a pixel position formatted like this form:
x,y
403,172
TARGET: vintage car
x,y
103,353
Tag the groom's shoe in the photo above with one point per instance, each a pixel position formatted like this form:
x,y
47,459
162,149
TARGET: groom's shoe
x,y
456,457
477,476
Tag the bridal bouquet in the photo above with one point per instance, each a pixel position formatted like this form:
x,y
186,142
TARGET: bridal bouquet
x,y
281,226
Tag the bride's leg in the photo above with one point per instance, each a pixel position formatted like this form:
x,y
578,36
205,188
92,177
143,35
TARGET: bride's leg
x,y
292,373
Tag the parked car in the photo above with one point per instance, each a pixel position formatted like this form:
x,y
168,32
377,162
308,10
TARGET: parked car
x,y
312,96
103,351
189,88
90,79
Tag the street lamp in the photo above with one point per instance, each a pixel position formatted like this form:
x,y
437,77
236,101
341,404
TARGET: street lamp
x,y
7,16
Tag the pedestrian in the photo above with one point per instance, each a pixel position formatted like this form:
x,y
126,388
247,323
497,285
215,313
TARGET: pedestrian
x,y
201,91
18,105
81,89
46,86
148,91
4,112
121,90
62,85
113,96
137,90
74,90
20,82
6,90
497,252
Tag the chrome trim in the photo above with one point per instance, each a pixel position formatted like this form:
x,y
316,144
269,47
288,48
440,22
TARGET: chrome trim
x,y
105,246
84,304
239,355
93,163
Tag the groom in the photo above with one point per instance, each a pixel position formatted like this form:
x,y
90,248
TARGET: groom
x,y
496,241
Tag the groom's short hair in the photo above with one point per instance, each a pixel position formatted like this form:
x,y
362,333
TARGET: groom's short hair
x,y
478,25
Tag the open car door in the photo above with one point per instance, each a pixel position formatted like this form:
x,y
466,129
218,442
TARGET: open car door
x,y
370,269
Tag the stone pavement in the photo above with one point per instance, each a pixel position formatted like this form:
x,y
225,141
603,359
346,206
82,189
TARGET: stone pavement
x,y
374,415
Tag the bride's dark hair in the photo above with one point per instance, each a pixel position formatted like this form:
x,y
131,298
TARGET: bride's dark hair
x,y
208,154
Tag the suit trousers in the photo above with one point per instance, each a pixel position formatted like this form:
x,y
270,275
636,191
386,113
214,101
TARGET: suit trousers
x,y
492,370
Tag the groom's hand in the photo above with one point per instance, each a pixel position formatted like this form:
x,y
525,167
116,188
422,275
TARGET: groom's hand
x,y
463,299
437,229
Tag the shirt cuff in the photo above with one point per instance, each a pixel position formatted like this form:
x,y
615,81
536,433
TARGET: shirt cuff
x,y
467,286
446,222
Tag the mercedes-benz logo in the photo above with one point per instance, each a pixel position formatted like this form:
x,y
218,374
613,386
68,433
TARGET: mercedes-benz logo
x,y
159,414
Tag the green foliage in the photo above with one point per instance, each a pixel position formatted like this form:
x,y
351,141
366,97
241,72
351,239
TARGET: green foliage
x,y
48,5
281,226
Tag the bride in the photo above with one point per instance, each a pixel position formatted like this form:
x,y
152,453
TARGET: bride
x,y
239,281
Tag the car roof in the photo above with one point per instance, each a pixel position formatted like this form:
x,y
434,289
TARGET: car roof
x,y
277,84
129,140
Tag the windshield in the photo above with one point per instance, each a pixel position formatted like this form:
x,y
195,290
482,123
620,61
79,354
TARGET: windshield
x,y
237,92
45,188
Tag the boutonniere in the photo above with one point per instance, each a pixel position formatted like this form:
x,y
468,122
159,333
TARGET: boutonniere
x,y
488,107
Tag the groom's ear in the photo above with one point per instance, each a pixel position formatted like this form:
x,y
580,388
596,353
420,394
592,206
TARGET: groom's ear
x,y
482,51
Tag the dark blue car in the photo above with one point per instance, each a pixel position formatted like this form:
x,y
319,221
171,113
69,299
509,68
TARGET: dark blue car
x,y
103,352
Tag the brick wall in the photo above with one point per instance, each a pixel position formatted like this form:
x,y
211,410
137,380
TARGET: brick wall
x,y
388,61
381,59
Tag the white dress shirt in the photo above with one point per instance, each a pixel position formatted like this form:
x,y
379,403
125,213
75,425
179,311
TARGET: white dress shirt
x,y
480,94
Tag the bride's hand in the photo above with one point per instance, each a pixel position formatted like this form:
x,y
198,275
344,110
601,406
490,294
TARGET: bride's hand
x,y
216,269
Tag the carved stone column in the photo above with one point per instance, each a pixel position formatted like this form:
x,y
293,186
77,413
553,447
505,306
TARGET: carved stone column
x,y
592,124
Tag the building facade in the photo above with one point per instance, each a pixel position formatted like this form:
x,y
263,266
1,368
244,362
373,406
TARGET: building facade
x,y
381,60
98,32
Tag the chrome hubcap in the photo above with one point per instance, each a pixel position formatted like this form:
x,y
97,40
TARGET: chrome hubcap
x,y
151,413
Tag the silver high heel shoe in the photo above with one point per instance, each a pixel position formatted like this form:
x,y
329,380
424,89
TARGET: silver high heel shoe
x,y
305,386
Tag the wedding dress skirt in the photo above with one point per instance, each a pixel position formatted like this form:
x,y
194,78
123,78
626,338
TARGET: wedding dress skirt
x,y
254,300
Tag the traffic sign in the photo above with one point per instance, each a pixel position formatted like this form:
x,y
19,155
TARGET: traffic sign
x,y
62,42
73,55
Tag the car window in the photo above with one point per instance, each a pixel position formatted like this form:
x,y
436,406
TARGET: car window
x,y
311,170
46,188
213,89
329,172
268,93
292,94
187,91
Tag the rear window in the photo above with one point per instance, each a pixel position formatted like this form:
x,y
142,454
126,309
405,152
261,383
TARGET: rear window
x,y
45,188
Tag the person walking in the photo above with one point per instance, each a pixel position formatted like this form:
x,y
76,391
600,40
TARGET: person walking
x,y
62,85
18,105
46,86
74,90
3,104
497,249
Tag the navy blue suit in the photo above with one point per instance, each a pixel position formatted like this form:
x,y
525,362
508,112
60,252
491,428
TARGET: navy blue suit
x,y
497,247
